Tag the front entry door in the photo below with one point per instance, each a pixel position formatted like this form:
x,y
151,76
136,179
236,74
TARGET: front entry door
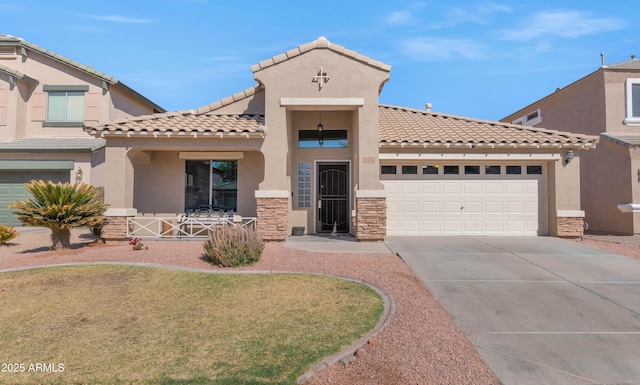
x,y
333,197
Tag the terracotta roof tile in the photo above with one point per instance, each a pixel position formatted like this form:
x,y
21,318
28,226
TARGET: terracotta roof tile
x,y
186,122
408,126
322,43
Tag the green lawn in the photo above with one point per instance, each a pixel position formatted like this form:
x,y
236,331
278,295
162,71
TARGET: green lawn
x,y
124,324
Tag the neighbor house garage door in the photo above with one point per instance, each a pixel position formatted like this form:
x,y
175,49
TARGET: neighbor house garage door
x,y
12,188
466,203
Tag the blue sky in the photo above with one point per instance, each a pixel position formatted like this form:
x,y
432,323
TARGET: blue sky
x,y
483,59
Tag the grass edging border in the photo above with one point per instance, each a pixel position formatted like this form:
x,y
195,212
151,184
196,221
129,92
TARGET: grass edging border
x,y
346,355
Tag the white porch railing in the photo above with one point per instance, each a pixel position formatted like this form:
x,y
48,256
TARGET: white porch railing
x,y
181,226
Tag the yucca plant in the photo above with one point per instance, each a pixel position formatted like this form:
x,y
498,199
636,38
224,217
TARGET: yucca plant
x,y
7,233
230,246
60,207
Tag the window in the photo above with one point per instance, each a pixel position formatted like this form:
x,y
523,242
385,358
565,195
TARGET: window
x,y
449,170
410,170
514,170
65,104
632,116
530,119
472,170
387,170
212,183
492,170
534,170
329,139
430,170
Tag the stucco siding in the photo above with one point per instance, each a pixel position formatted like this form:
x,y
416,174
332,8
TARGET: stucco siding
x,y
606,182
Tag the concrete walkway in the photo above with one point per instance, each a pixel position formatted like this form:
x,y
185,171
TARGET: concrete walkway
x,y
539,310
342,243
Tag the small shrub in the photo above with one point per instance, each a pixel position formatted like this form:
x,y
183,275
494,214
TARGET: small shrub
x,y
230,246
7,233
136,244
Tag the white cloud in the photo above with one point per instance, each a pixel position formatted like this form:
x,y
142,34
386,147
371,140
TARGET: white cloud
x,y
121,19
433,49
567,24
479,14
400,17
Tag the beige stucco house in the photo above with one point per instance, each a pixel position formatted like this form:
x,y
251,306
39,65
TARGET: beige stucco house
x,y
605,103
310,146
44,101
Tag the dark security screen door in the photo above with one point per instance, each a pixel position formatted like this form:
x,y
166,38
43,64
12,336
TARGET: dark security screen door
x,y
333,197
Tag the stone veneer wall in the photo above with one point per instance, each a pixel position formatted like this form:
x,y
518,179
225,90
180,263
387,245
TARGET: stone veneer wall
x,y
371,218
273,218
114,228
570,227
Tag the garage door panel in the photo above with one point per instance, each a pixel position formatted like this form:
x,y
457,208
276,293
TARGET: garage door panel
x,y
472,207
505,204
430,188
492,188
449,187
431,227
513,188
514,207
430,207
472,188
409,207
410,188
493,207
451,207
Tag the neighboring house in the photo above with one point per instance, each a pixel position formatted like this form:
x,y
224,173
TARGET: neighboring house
x,y
606,103
313,148
44,101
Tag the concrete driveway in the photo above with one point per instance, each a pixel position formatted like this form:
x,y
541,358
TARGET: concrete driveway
x,y
539,310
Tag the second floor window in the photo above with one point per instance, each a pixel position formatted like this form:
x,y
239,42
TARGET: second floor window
x,y
65,106
632,115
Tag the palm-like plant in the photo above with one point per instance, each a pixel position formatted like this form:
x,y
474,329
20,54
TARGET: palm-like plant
x,y
60,207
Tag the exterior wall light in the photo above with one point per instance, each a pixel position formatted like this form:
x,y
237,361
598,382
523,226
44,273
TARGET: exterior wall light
x,y
320,130
569,157
79,175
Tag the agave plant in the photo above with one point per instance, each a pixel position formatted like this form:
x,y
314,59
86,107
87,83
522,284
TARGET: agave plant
x,y
60,207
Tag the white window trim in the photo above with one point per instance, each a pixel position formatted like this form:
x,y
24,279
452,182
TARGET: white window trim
x,y
525,121
629,119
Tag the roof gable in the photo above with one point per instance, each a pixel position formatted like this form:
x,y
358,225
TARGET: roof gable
x,y
320,43
9,40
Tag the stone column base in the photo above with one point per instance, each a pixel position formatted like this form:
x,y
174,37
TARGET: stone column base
x,y
570,223
371,215
273,214
114,225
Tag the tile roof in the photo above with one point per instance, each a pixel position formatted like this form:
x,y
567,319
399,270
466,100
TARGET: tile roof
x,y
319,43
183,123
39,145
9,40
633,64
16,74
402,126
627,140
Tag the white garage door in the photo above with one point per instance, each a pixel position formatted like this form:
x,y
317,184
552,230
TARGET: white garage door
x,y
465,204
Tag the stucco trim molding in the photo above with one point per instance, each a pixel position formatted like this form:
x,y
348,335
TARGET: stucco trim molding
x,y
570,214
205,155
462,156
113,212
272,193
371,194
629,207
333,102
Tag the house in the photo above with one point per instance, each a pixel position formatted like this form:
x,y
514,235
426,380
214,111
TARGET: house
x,y
312,147
606,103
45,99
